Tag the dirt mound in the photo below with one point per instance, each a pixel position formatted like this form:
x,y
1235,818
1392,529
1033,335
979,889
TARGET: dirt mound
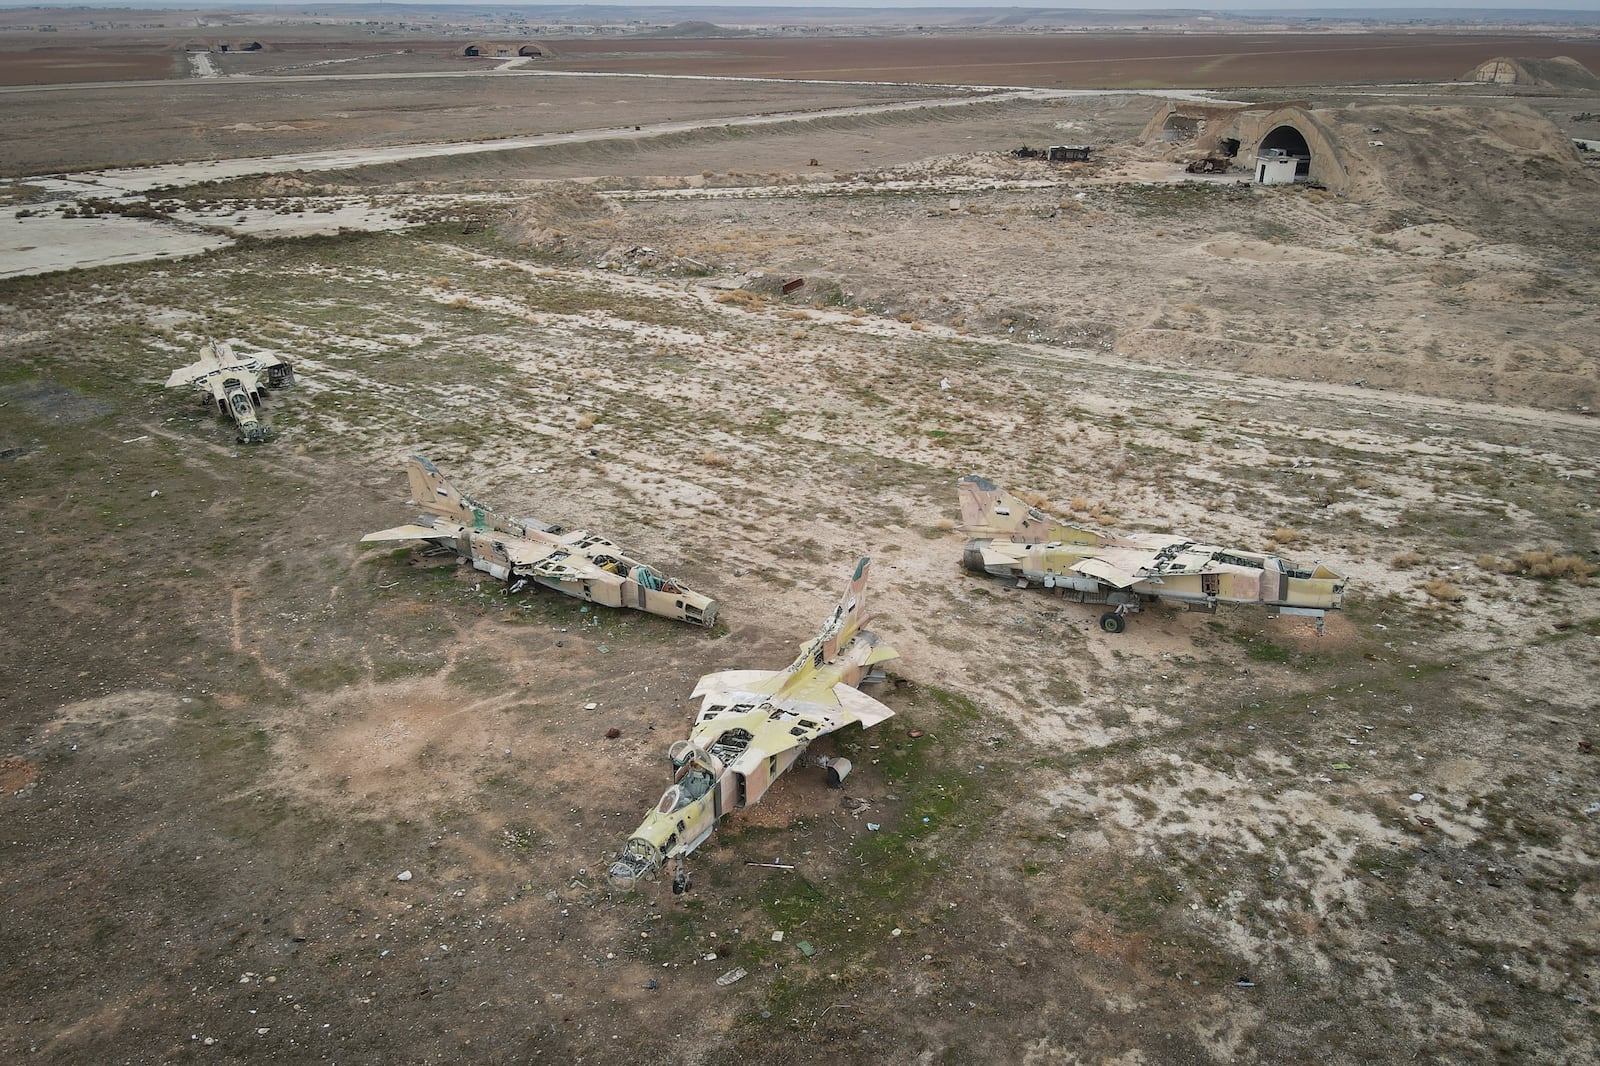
x,y
545,219
1493,168
695,28
1561,72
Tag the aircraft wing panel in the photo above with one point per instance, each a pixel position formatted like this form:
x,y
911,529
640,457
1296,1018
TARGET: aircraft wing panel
x,y
999,555
1103,571
857,706
836,708
188,375
408,532
758,684
735,681
530,553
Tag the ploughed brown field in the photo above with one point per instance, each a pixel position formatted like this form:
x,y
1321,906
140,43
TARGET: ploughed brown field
x,y
1096,61
1087,61
75,65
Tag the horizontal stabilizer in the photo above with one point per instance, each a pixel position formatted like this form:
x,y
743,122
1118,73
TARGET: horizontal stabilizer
x,y
407,532
880,653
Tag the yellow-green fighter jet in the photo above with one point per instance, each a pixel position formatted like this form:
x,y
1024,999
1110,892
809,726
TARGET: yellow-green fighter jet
x,y
752,726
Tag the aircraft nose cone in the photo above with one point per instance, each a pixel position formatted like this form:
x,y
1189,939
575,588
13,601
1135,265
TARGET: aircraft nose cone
x,y
621,876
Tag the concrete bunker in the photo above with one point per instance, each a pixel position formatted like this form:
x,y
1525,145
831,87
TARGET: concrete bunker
x,y
502,50
1287,141
1249,134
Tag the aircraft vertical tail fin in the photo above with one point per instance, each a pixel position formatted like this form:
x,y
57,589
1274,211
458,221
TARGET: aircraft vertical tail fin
x,y
436,496
987,508
853,605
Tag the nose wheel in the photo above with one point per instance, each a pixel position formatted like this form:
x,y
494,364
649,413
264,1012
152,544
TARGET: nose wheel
x,y
1113,622
680,879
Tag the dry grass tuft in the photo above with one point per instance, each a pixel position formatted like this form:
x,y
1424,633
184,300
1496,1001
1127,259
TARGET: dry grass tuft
x,y
1287,537
1034,499
1542,563
945,524
1442,590
586,421
1079,503
1405,560
713,459
744,298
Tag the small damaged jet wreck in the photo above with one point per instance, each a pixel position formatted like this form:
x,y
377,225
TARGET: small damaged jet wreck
x,y
1012,540
752,726
235,384
522,552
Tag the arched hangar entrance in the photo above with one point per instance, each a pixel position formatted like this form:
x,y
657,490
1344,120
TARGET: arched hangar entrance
x,y
1292,143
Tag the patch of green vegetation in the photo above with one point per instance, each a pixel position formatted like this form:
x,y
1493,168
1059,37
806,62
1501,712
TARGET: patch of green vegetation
x,y
943,802
480,676
1262,649
326,676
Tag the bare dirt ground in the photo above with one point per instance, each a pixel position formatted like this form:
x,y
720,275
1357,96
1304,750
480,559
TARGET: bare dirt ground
x,y
226,731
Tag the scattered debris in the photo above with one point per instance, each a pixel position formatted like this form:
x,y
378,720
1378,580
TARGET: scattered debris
x,y
403,875
738,973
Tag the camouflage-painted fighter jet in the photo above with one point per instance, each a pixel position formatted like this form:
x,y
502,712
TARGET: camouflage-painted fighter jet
x,y
752,726
522,552
1012,540
235,383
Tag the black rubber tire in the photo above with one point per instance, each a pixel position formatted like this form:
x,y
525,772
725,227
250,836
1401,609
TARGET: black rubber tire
x,y
1112,622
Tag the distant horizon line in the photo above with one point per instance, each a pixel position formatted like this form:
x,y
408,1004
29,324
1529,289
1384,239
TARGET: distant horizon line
x,y
1179,7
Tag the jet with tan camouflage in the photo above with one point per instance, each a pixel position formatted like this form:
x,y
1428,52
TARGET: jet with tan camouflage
x,y
235,384
522,552
1015,541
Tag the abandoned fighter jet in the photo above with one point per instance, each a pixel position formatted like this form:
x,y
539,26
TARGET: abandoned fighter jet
x,y
235,384
521,552
1012,540
752,726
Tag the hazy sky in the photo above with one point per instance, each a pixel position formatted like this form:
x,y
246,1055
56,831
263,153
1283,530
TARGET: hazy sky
x,y
1162,5
1288,7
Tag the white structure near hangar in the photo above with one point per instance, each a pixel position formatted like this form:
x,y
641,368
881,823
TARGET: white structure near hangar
x,y
1274,166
